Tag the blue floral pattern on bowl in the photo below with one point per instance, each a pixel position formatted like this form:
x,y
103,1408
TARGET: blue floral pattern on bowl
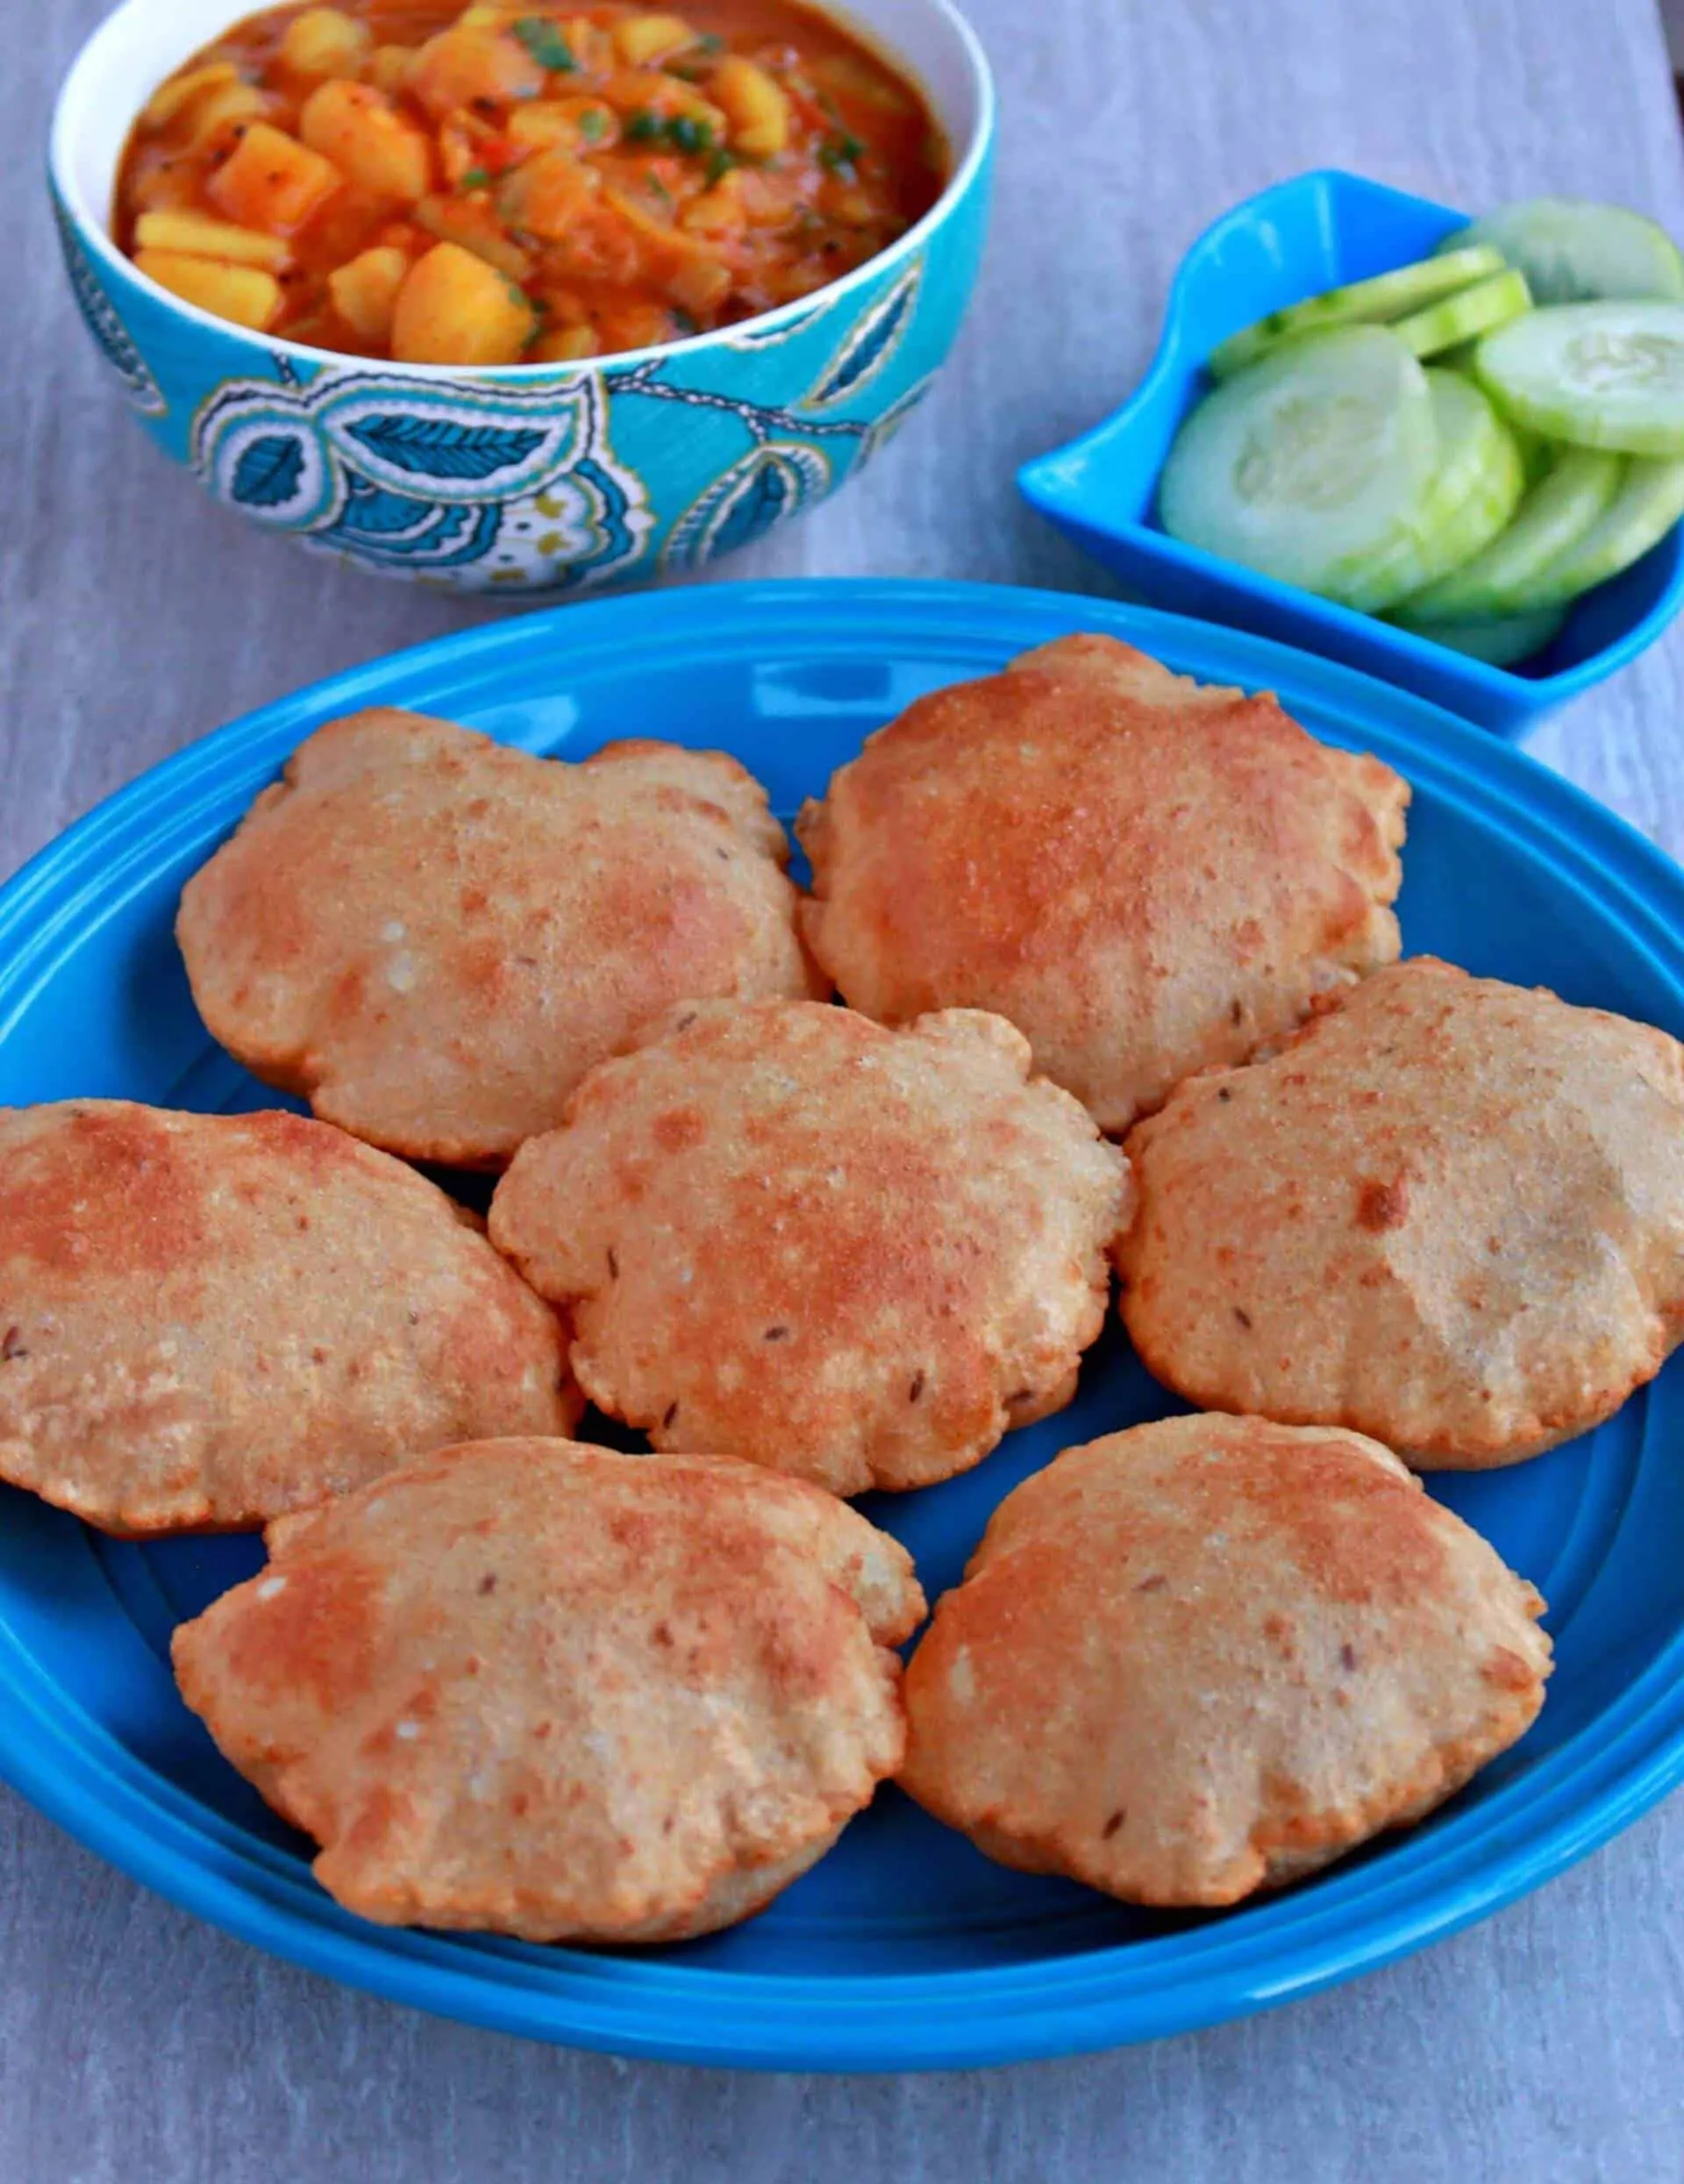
x,y
542,482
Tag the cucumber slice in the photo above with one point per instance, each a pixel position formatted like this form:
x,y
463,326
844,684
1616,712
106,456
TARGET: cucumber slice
x,y
1574,251
1648,503
1359,303
1310,463
1474,493
1467,315
1599,375
1500,640
1554,516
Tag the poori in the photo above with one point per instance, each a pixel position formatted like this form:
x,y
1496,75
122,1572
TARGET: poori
x,y
1210,1654
432,935
1450,1213
1146,874
782,1232
209,1320
561,1692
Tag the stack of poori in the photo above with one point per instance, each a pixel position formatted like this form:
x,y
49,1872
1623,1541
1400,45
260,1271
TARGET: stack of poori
x,y
1370,1214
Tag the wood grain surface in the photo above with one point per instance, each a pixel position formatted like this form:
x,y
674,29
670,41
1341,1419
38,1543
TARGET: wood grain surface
x,y
138,2045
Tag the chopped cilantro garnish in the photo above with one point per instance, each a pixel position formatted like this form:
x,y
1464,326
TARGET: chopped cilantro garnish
x,y
683,320
710,43
686,133
658,189
592,124
543,39
475,178
642,127
719,162
836,153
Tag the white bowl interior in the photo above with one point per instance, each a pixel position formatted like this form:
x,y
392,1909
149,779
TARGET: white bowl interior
x,y
138,46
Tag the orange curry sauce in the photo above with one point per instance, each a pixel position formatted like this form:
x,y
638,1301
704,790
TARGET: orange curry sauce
x,y
512,183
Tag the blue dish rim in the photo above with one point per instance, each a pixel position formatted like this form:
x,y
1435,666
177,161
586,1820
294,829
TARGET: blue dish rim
x,y
1538,693
1598,1781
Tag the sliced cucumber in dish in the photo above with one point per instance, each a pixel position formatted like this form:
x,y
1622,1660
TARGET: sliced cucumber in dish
x,y
1472,494
1554,517
1648,503
1574,251
1466,316
1359,303
1308,464
1500,640
1597,375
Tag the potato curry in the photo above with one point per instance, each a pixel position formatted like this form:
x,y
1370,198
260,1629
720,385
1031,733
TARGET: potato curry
x,y
509,184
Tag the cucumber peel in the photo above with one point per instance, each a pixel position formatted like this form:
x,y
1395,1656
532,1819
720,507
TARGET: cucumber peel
x,y
1648,503
1473,495
1500,640
1357,302
1554,516
1574,251
1464,316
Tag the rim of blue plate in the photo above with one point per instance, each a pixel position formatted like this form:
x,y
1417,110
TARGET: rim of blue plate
x,y
1542,693
1421,1888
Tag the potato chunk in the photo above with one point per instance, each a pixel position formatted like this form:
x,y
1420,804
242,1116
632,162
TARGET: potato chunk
x,y
454,309
272,181
223,106
567,345
756,105
390,67
459,66
643,38
244,293
365,289
547,195
177,92
198,236
323,42
369,140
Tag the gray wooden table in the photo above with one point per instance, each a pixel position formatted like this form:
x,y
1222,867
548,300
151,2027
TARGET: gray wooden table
x,y
138,2045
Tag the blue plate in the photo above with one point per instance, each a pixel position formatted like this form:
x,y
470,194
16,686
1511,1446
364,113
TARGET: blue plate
x,y
1292,241
904,1948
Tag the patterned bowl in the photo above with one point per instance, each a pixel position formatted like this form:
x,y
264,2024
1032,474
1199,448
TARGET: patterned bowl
x,y
525,477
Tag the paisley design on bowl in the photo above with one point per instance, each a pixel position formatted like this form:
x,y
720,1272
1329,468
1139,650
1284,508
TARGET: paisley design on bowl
x,y
870,342
766,489
99,316
414,474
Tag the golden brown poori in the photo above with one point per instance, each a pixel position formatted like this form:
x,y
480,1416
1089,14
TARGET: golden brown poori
x,y
1210,1654
207,1321
561,1692
782,1230
433,936
1146,874
1450,1213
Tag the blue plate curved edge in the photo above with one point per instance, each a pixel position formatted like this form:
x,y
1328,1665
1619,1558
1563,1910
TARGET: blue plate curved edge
x,y
1607,1769
1309,233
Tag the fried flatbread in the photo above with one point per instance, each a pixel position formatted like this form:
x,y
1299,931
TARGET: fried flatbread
x,y
1145,875
433,936
785,1232
1450,1214
561,1691
1209,1655
206,1320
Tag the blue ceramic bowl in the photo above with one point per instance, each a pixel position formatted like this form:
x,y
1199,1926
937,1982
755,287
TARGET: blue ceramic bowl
x,y
526,477
1290,242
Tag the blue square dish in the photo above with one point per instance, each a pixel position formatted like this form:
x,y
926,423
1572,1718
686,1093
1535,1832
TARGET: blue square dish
x,y
1292,241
